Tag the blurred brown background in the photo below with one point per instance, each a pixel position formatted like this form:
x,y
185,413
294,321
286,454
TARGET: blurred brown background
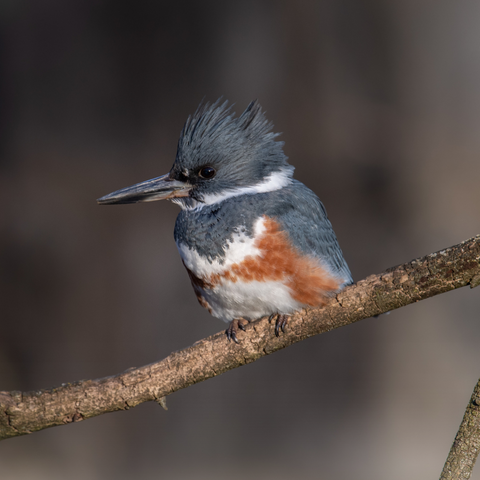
x,y
379,102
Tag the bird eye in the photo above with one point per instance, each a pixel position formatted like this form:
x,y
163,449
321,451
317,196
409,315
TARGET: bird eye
x,y
207,172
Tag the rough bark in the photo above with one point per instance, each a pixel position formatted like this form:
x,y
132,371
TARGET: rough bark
x,y
465,448
22,413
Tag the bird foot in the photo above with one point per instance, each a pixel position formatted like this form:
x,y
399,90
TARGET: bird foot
x,y
232,330
280,323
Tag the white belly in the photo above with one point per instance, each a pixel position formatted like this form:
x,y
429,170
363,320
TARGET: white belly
x,y
249,300
229,299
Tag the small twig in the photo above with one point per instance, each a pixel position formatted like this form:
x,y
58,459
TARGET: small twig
x,y
162,401
23,413
465,448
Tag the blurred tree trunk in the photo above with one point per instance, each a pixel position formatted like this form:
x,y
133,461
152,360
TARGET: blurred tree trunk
x,y
465,448
431,275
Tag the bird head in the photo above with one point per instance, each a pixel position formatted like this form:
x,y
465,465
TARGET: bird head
x,y
218,156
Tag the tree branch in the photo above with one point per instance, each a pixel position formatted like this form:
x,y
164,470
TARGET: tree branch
x,y
465,448
22,413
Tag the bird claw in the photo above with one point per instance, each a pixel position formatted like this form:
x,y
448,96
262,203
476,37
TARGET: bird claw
x,y
232,329
280,323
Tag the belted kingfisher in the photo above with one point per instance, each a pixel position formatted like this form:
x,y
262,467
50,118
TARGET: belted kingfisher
x,y
254,241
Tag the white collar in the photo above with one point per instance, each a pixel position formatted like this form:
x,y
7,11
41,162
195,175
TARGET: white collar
x,y
275,181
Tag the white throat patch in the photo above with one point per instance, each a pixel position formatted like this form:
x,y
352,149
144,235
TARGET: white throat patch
x,y
275,181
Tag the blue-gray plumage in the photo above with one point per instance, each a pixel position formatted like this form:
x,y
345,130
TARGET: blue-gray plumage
x,y
234,146
297,209
254,241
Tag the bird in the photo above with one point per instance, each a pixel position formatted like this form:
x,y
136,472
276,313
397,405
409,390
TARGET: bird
x,y
255,241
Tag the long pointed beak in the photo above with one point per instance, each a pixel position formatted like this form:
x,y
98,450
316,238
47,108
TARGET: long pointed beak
x,y
161,188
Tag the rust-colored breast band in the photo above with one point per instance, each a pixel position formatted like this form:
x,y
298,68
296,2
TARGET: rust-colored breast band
x,y
278,260
281,261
